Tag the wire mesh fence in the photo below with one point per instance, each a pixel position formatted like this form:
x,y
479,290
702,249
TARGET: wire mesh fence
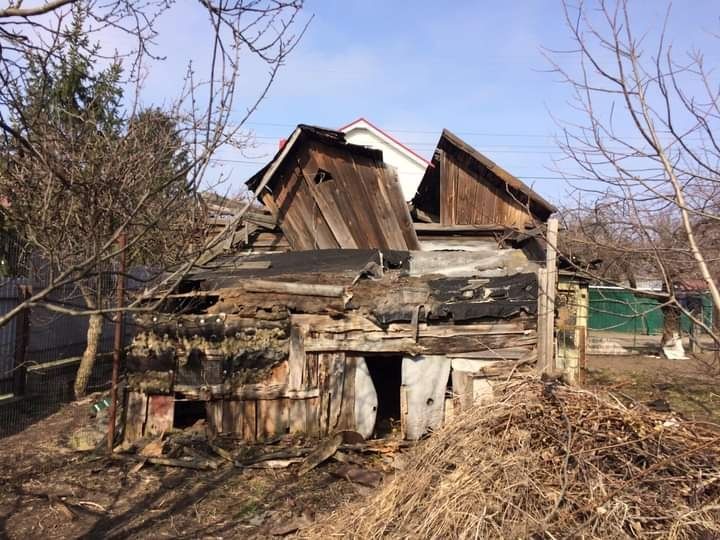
x,y
40,352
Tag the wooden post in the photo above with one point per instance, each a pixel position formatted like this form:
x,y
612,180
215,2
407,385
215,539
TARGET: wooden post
x,y
542,322
547,287
551,287
22,338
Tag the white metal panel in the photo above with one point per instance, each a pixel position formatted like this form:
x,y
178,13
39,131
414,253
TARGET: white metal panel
x,y
425,380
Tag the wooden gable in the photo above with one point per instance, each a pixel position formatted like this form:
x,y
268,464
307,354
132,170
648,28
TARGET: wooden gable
x,y
326,193
463,187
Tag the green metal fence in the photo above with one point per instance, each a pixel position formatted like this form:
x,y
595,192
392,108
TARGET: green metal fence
x,y
618,310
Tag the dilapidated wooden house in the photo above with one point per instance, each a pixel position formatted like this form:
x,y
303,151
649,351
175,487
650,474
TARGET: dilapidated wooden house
x,y
351,324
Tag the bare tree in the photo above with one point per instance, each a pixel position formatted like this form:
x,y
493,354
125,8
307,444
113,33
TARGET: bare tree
x,y
83,165
648,143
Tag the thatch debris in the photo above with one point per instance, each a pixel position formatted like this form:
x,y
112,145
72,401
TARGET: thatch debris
x,y
548,461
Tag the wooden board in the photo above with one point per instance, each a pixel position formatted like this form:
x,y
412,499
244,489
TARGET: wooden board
x,y
161,414
272,417
304,419
214,416
346,419
249,421
298,423
296,358
462,390
232,417
135,416
332,371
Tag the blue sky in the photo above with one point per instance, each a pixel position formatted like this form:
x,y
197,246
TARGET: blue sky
x,y
414,67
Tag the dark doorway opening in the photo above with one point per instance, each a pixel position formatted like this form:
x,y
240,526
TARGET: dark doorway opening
x,y
188,412
386,374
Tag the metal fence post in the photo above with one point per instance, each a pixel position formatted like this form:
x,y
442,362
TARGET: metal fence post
x,y
22,335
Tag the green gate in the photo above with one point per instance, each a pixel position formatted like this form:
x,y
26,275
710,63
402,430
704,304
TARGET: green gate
x,y
618,310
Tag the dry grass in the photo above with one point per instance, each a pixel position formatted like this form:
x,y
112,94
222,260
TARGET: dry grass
x,y
548,461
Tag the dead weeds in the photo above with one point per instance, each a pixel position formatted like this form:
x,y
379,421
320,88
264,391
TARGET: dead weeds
x,y
549,461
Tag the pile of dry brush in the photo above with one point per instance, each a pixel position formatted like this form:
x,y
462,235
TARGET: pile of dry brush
x,y
549,461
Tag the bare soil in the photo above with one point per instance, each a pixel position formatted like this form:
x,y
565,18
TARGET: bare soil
x,y
49,491
691,387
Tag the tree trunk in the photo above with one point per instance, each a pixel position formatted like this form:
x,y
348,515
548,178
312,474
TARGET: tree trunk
x,y
94,333
672,335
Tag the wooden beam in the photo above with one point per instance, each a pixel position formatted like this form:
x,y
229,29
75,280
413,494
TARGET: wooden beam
x,y
286,287
439,227
245,391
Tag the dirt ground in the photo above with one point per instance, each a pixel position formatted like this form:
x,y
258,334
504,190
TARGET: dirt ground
x,y
49,491
689,387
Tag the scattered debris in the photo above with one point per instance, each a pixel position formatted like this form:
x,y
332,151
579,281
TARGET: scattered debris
x,y
86,439
295,524
323,452
359,475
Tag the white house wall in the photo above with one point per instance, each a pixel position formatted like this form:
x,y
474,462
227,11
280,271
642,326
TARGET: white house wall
x,y
410,172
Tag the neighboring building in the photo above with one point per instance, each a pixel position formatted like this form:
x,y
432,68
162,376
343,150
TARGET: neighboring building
x,y
410,166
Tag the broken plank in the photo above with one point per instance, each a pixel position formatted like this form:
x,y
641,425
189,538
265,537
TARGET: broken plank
x,y
323,452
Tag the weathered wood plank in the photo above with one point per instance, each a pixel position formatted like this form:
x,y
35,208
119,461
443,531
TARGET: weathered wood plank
x,y
272,417
312,415
302,289
249,421
214,416
349,323
424,345
298,420
245,391
232,417
296,358
137,404
332,367
346,420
